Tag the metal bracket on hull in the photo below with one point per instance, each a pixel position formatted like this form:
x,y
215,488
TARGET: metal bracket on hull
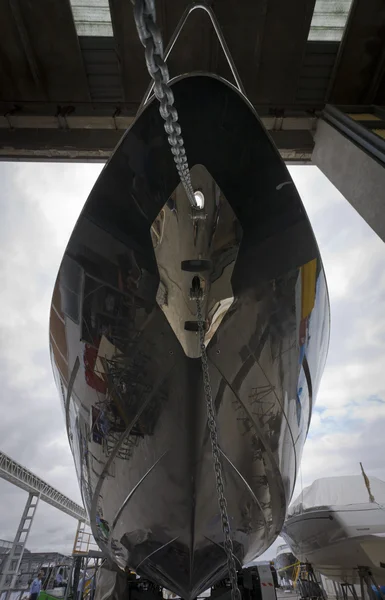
x,y
174,38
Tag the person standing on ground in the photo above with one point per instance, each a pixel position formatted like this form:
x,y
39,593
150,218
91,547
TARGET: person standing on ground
x,y
36,587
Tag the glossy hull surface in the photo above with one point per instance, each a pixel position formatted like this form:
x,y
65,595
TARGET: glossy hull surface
x,y
126,356
338,540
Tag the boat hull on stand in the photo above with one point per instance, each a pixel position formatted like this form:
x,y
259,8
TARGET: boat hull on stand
x,y
285,563
125,349
340,540
337,524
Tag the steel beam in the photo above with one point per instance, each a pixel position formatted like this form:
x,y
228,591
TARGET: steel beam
x,y
90,138
15,473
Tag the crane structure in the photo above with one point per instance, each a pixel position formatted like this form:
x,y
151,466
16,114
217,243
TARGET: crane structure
x,y
15,473
37,490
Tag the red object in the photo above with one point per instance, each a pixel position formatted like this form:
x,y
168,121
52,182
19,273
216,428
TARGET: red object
x,y
95,382
302,331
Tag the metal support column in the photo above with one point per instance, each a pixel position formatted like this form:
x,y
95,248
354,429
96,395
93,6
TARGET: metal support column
x,y
12,565
367,578
336,590
351,153
349,587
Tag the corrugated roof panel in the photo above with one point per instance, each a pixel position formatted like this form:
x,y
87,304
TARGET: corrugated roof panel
x,y
92,17
329,20
102,68
316,71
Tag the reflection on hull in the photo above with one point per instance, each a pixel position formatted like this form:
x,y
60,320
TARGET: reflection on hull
x,y
125,352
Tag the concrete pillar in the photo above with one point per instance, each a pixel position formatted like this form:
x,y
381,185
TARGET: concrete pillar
x,y
356,172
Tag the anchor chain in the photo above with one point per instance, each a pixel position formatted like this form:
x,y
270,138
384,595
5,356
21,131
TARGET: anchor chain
x,y
151,38
212,425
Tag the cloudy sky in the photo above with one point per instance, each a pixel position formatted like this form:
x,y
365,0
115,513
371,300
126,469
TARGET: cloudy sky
x,y
39,205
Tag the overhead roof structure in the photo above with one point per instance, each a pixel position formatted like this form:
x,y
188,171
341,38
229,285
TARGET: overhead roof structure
x,y
329,20
72,72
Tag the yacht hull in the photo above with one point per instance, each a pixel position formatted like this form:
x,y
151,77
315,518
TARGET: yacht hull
x,y
125,351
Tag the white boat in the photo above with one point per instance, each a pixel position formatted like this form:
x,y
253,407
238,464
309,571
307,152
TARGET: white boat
x,y
285,562
338,525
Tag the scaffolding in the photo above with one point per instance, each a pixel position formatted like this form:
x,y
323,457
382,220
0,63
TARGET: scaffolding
x,y
84,541
306,583
32,563
87,559
37,489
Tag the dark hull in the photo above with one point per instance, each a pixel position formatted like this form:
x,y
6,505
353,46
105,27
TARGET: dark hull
x,y
127,363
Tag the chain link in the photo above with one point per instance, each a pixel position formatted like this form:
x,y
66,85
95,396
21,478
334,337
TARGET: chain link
x,y
151,38
228,542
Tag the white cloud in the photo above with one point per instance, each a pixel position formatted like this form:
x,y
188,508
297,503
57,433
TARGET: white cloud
x,y
347,424
39,206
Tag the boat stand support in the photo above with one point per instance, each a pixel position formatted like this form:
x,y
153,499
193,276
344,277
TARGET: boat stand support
x,y
367,579
349,588
309,586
